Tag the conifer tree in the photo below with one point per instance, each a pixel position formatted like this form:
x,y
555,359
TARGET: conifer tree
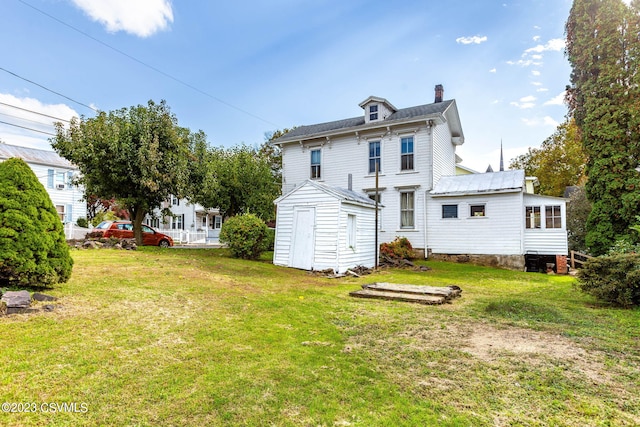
x,y
603,49
33,249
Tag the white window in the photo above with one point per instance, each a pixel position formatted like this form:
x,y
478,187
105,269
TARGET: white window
x,y
351,231
532,217
449,211
315,164
477,210
553,217
60,210
374,156
407,209
406,153
50,176
373,113
217,224
178,222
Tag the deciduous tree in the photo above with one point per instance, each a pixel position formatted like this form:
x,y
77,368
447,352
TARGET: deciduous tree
x,y
138,156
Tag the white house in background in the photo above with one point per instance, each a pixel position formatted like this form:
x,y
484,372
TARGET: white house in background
x,y
190,223
414,149
345,220
56,174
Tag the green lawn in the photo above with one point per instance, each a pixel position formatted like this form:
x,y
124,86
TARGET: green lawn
x,y
186,337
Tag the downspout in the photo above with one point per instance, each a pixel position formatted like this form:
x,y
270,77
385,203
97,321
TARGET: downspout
x,y
430,124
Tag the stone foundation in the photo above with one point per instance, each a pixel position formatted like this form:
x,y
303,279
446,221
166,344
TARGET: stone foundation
x,y
510,262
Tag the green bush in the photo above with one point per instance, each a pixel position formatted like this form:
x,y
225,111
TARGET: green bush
x,y
33,249
82,222
612,278
400,248
246,236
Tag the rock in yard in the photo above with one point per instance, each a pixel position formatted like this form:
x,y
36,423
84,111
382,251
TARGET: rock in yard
x,y
43,297
17,299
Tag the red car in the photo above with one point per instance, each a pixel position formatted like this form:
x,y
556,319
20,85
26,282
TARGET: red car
x,y
124,230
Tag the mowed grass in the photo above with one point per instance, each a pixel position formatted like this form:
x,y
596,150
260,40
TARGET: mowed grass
x,y
187,337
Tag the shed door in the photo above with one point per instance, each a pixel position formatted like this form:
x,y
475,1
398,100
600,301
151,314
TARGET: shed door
x,y
303,239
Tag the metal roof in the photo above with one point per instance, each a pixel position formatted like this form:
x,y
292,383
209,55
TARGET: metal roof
x,y
303,132
32,155
490,182
340,193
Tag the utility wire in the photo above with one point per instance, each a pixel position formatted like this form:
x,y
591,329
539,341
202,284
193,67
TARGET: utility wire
x,y
26,120
31,129
34,112
46,88
151,67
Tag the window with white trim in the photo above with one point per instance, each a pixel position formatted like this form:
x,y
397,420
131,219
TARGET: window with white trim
x,y
374,156
449,211
553,217
477,210
315,163
373,112
407,209
532,217
351,231
406,153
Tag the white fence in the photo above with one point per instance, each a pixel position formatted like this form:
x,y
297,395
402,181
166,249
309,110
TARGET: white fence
x,y
73,231
186,236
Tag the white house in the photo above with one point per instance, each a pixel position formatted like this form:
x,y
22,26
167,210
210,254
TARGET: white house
x,y
56,174
189,222
413,149
319,227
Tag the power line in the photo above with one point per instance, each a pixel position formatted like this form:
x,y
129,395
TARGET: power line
x,y
34,112
31,129
151,67
25,119
46,88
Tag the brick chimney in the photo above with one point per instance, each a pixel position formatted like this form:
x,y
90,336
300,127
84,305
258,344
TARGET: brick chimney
x,y
439,93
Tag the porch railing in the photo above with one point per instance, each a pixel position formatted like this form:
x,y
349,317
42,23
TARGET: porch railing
x,y
578,258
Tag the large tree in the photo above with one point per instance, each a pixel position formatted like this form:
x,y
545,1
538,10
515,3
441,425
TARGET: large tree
x,y
138,156
603,49
236,180
558,163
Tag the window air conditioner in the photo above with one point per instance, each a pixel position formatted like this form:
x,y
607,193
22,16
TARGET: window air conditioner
x,y
60,186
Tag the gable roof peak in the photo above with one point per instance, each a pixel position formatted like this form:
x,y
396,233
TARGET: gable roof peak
x,y
377,99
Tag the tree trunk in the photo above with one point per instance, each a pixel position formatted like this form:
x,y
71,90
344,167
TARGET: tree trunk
x,y
137,214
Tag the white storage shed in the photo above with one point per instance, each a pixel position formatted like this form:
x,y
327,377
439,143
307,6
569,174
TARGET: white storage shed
x,y
319,227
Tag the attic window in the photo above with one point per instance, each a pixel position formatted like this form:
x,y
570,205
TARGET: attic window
x,y
373,112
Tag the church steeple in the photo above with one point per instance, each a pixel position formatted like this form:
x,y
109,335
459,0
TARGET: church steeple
x,y
501,158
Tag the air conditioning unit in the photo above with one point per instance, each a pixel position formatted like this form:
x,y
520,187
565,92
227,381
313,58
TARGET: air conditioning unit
x,y
60,186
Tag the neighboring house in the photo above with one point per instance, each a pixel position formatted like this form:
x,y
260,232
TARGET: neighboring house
x,y
188,223
413,149
56,174
346,220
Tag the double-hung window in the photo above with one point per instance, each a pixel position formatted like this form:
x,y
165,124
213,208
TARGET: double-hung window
x,y
406,153
449,211
315,164
532,216
374,156
407,209
553,217
373,112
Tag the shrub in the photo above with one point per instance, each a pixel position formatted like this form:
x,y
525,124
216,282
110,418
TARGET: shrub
x,y
82,222
246,236
612,278
33,249
400,248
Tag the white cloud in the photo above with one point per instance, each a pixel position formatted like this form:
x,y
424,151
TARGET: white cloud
x,y
27,128
535,73
536,38
539,122
536,83
525,63
139,17
552,45
525,102
542,89
557,100
493,70
471,40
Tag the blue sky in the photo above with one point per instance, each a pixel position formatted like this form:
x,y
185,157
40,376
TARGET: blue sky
x,y
239,69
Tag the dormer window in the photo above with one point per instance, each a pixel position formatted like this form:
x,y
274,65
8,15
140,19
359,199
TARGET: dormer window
x,y
373,113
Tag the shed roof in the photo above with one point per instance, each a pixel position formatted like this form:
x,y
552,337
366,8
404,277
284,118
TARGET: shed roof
x,y
33,155
490,182
342,194
304,132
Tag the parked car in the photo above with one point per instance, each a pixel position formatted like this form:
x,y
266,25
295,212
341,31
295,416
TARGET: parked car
x,y
124,230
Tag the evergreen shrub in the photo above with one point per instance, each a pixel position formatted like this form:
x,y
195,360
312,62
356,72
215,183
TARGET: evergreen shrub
x,y
612,278
33,248
246,235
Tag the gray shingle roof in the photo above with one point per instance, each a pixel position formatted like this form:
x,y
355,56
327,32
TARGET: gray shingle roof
x,y
340,193
303,132
32,155
479,183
